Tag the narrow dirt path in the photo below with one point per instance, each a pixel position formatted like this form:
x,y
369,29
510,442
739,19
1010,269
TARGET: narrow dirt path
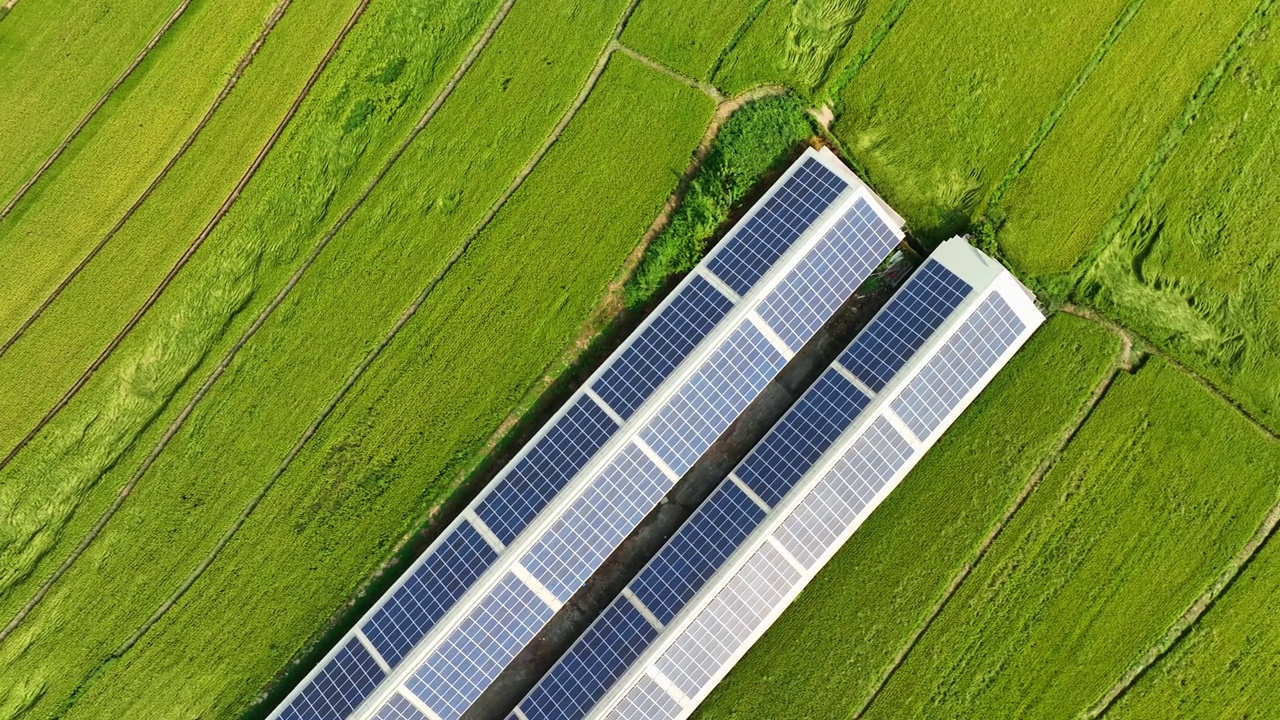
x,y
66,142
698,85
213,222
192,248
241,66
1123,363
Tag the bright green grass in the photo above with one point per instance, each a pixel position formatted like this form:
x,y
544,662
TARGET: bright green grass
x,y
57,59
117,155
956,92
1162,486
54,351
1120,119
686,35
395,448
1225,667
803,44
822,657
1196,266
377,87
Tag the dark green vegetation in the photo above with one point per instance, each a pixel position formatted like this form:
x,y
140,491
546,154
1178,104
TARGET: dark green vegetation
x,y
452,204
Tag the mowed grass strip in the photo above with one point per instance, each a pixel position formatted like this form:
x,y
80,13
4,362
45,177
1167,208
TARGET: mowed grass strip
x,y
354,118
955,93
686,35
396,447
803,44
113,160
827,652
1195,268
58,59
1096,154
1160,488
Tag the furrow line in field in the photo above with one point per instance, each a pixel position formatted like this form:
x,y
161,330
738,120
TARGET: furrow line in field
x,y
643,59
1051,120
741,32
192,248
1173,137
66,142
272,20
1123,363
386,341
887,22
222,211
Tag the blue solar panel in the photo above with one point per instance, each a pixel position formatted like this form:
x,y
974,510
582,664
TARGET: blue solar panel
x,y
914,313
428,594
397,708
336,690
597,522
546,468
829,273
800,438
702,544
705,405
776,225
585,673
663,345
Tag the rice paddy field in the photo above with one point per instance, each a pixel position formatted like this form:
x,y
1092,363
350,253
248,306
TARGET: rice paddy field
x,y
282,280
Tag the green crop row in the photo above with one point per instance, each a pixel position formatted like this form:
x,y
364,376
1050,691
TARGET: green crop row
x,y
822,658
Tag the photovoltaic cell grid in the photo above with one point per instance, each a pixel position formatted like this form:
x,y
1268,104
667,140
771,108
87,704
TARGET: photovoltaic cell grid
x,y
913,314
429,592
397,708
958,366
660,347
828,275
343,684
776,225
546,469
647,700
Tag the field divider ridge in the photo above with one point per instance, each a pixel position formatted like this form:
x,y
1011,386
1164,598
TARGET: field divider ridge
x,y
741,32
272,20
173,428
93,111
1122,363
643,59
887,23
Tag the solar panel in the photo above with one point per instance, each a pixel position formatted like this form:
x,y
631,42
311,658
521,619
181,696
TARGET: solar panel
x,y
958,366
544,470
801,436
398,708
647,701
661,346
343,684
712,398
695,552
758,244
913,314
429,592
583,675
828,275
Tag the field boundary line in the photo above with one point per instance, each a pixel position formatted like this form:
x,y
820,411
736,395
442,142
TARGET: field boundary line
x,y
1050,121
743,28
191,249
272,19
703,87
850,71
1124,362
93,111
401,321
1171,140
226,206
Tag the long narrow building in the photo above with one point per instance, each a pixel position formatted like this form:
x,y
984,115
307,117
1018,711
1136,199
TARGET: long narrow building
x,y
751,547
493,579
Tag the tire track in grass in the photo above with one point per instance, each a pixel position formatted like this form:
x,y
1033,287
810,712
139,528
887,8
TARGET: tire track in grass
x,y
263,316
612,46
241,66
191,249
890,18
66,142
729,47
97,363
1123,363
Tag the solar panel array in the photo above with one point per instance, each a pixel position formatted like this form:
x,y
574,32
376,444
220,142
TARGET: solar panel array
x,y
472,601
690,651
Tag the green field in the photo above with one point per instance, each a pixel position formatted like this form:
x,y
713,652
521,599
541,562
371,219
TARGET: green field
x,y
348,293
